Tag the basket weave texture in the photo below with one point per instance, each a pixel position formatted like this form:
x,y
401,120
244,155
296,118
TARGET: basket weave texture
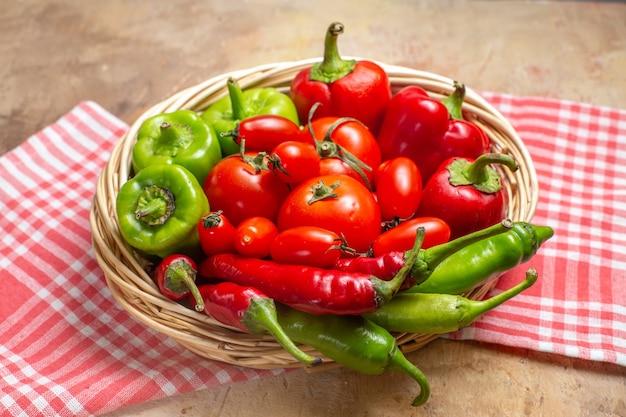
x,y
136,292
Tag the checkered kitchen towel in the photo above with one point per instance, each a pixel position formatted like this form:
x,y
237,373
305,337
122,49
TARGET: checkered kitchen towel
x,y
66,348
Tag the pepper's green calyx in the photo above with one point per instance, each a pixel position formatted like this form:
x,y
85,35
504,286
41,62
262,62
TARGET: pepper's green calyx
x,y
224,114
332,67
479,174
440,313
159,208
182,138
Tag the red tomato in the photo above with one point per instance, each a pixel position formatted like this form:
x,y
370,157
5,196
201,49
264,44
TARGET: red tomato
x,y
351,136
244,188
263,132
254,236
216,234
298,161
398,188
402,237
306,245
342,205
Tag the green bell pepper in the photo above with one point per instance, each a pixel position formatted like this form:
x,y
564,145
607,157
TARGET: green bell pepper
x,y
159,209
225,113
181,137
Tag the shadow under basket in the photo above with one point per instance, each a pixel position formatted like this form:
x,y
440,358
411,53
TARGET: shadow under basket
x,y
136,292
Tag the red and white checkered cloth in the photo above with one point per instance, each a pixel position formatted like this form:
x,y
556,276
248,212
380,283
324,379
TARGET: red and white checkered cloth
x,y
66,348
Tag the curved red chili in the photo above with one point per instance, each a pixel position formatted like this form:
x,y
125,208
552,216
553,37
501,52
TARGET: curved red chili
x,y
310,289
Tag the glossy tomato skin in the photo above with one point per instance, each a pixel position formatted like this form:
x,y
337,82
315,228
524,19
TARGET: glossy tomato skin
x,y
299,161
254,236
216,234
263,132
240,191
402,237
306,245
352,136
398,188
352,212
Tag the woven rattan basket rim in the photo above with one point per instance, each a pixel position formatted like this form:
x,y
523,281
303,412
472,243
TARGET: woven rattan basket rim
x,y
135,291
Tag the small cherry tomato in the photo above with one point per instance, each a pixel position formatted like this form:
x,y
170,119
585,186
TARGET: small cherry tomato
x,y
216,233
245,187
264,132
294,162
335,202
398,188
254,236
307,245
402,237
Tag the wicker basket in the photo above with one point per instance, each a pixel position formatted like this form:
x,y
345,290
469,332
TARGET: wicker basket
x,y
135,291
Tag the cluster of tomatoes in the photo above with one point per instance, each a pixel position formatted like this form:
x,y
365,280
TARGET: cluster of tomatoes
x,y
310,195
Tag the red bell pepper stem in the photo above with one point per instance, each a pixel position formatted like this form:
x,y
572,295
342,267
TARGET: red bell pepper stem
x,y
175,276
310,289
454,102
249,310
478,175
332,67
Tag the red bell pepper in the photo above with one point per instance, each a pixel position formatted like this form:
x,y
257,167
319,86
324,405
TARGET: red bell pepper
x,y
429,131
344,88
467,193
251,311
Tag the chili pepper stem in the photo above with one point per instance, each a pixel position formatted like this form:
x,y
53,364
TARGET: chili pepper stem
x,y
472,310
385,290
399,362
429,259
261,316
183,275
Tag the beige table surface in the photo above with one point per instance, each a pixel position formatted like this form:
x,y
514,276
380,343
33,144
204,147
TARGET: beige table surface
x,y
127,55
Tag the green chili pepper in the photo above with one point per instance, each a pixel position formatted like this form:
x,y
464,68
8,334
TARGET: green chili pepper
x,y
181,137
484,260
159,209
352,341
439,313
238,105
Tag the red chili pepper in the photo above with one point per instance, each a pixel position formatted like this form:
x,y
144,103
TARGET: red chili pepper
x,y
415,122
176,278
467,194
264,132
310,289
251,311
344,88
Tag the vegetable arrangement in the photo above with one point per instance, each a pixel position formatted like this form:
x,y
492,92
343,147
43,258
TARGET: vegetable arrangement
x,y
334,216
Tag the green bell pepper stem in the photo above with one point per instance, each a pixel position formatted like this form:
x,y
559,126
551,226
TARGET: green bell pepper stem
x,y
440,313
224,114
332,67
484,260
158,211
181,137
236,99
352,341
